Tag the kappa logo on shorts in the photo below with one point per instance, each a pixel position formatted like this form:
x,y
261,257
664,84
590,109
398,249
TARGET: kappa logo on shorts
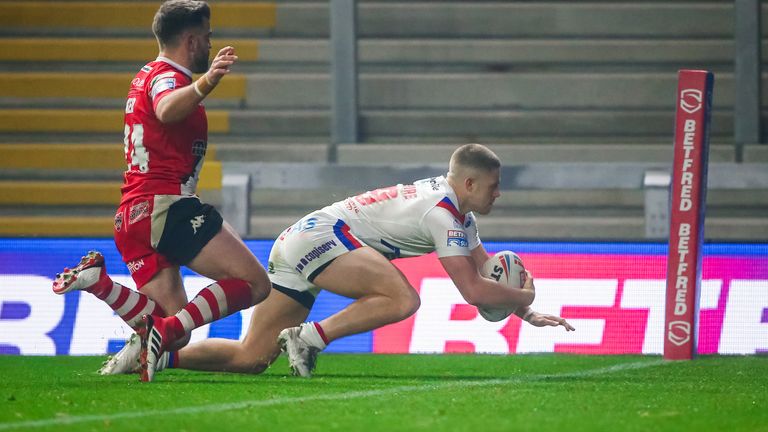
x,y
118,221
138,212
197,222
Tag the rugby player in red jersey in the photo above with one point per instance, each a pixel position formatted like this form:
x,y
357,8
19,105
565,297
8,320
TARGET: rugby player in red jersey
x,y
161,224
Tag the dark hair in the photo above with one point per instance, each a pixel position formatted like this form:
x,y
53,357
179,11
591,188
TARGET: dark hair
x,y
476,156
175,16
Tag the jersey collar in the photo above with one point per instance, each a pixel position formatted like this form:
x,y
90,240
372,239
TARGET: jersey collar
x,y
450,202
186,71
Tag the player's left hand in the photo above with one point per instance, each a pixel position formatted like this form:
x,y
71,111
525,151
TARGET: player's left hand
x,y
220,65
540,320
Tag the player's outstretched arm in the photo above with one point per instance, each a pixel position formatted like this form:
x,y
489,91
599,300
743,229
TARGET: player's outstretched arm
x,y
480,291
180,103
541,320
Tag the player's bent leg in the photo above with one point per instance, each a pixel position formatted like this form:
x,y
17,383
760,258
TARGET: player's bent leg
x,y
90,275
241,282
257,350
166,288
383,296
383,293
225,256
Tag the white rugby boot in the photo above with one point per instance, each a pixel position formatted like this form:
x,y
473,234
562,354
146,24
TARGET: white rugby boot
x,y
84,276
302,356
126,361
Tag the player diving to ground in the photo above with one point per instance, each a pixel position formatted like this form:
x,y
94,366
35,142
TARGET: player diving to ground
x,y
345,248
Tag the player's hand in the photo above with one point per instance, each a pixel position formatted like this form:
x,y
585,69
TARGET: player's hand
x,y
540,320
528,285
220,65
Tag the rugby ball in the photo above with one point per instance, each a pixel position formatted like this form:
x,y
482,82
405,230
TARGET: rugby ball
x,y
507,269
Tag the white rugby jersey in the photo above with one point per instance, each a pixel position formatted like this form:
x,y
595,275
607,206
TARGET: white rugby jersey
x,y
410,220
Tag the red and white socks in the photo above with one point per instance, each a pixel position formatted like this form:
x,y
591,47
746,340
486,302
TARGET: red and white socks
x,y
130,305
215,301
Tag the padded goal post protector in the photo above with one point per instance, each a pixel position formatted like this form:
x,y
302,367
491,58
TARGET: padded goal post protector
x,y
688,205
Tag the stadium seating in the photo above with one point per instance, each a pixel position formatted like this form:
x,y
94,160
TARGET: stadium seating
x,y
542,82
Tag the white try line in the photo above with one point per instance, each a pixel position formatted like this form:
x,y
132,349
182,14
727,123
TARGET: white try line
x,y
63,421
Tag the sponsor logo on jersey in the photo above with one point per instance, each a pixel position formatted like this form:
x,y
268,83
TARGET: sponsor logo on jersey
x,y
138,212
458,238
196,223
351,205
433,183
271,267
162,83
134,266
118,221
314,254
137,82
146,68
410,191
468,221
199,147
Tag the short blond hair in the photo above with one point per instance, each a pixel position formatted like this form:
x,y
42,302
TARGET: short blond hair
x,y
475,157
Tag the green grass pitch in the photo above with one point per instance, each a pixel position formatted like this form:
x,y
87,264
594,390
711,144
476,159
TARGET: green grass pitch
x,y
393,393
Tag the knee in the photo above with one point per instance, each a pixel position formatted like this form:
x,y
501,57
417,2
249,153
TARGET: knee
x,y
260,288
408,302
259,293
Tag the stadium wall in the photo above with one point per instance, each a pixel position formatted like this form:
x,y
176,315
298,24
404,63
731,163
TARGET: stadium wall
x,y
613,293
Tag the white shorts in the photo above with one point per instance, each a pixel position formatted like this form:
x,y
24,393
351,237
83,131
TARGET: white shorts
x,y
303,250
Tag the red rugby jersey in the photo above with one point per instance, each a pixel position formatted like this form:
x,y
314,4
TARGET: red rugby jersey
x,y
162,158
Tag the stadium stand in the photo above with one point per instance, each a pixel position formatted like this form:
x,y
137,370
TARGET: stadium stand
x,y
542,82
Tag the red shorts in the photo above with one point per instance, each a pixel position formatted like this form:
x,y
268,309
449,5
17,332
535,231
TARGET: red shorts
x,y
158,231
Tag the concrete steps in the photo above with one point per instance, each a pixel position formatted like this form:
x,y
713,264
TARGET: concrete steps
x,y
565,81
484,19
118,17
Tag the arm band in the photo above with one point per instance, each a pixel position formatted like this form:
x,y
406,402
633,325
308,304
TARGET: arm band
x,y
203,86
197,90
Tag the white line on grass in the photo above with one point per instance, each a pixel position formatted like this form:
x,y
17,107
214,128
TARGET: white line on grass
x,y
62,421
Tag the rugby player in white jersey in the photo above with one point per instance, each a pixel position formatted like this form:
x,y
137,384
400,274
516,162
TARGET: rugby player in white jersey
x,y
346,248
